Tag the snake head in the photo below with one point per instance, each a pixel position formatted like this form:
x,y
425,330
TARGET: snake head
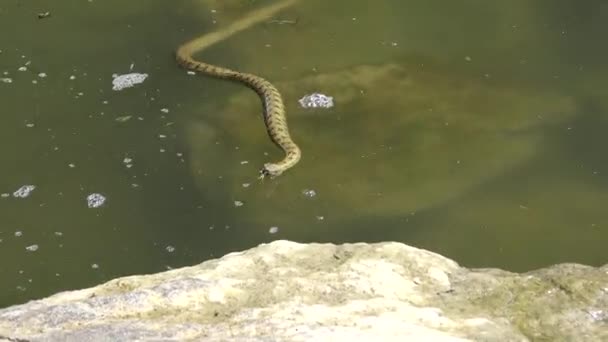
x,y
270,170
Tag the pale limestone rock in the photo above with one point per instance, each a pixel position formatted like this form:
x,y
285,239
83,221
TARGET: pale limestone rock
x,y
285,291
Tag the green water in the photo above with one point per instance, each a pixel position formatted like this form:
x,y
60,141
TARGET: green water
x,y
493,155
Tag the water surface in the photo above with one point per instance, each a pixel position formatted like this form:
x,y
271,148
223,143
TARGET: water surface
x,y
472,129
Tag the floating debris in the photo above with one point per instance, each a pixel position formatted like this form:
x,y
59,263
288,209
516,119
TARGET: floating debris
x,y
316,100
124,118
128,162
95,200
6,80
23,68
44,15
24,191
273,230
18,233
165,110
309,193
31,248
238,203
170,249
121,82
42,75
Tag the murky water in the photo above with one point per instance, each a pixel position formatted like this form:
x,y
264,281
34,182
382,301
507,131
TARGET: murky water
x,y
473,129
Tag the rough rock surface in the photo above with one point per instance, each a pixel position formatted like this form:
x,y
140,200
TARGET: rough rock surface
x,y
285,291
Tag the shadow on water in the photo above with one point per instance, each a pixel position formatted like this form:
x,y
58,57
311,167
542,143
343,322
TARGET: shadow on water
x,y
540,213
549,210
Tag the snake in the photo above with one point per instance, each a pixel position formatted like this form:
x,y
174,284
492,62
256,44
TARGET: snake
x,y
274,116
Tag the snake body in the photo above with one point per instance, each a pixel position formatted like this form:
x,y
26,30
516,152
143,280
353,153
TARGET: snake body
x,y
274,109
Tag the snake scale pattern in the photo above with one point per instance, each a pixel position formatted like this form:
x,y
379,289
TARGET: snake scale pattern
x,y
274,109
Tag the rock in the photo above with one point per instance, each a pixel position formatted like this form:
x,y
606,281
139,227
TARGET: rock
x,y
285,291
402,137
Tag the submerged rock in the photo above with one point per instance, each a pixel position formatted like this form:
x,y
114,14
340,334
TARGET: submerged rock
x,y
285,291
405,137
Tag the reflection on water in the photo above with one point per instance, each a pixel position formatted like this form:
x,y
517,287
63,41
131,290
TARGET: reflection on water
x,y
471,129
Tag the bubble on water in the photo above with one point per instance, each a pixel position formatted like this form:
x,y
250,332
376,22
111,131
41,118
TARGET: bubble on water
x,y
24,191
31,248
18,233
246,185
320,218
316,100
42,75
22,68
120,82
6,80
5,195
309,193
165,110
273,230
243,162
72,77
58,233
95,200
94,266
170,249
238,203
